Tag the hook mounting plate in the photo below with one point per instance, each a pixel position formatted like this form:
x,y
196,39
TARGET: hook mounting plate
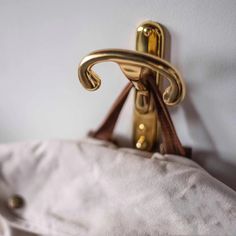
x,y
150,39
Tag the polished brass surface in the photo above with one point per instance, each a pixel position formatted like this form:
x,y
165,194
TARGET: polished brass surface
x,y
15,202
172,95
145,63
150,39
141,143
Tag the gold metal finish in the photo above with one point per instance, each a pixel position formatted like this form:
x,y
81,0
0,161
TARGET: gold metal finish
x,y
149,39
141,143
172,95
145,63
15,202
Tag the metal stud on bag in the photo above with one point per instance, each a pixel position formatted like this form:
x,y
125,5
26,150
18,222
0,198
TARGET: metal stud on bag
x,y
147,60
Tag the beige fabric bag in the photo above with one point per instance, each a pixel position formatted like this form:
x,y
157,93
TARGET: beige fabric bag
x,y
92,187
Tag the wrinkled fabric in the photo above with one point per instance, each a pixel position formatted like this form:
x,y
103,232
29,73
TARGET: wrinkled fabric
x,y
92,187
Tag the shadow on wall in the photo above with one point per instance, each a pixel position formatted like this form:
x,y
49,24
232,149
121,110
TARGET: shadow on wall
x,y
208,159
220,169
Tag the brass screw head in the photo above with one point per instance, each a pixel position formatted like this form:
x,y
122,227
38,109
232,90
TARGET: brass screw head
x,y
142,127
141,143
15,202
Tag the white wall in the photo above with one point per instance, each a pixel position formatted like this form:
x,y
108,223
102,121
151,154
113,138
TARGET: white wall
x,y
42,42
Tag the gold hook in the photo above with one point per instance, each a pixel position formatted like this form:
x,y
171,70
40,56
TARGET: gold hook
x,y
131,63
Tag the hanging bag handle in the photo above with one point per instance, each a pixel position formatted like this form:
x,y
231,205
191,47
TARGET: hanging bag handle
x,y
170,141
105,130
130,63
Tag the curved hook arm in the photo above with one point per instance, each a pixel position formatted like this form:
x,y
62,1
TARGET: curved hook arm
x,y
131,62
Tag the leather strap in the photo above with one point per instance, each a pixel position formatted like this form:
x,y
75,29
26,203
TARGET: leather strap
x,y
170,141
106,129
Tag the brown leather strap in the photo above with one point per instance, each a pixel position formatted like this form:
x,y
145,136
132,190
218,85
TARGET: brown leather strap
x,y
105,130
171,143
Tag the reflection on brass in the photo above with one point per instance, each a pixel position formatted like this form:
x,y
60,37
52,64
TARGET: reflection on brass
x,y
141,127
172,95
15,202
141,143
150,39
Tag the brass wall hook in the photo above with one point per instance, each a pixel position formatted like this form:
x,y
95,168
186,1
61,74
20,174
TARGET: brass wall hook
x,y
136,65
132,62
